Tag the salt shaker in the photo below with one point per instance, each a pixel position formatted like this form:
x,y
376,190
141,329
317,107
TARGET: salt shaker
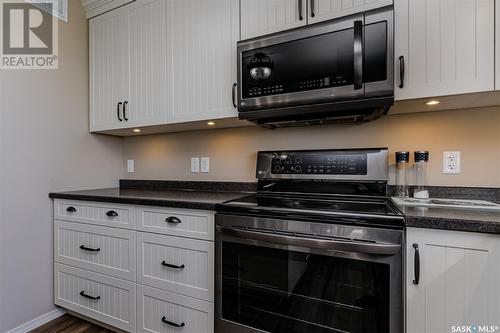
x,y
421,159
402,161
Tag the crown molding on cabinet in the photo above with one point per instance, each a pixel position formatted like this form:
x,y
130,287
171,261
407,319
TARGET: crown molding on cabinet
x,y
97,7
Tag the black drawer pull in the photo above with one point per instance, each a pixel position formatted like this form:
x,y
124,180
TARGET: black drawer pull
x,y
83,247
416,264
164,319
172,266
111,213
82,293
172,219
71,209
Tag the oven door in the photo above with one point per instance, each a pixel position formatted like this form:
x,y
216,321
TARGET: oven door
x,y
268,282
344,59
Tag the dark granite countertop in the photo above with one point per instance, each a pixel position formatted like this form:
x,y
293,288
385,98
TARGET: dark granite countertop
x,y
189,198
205,195
473,220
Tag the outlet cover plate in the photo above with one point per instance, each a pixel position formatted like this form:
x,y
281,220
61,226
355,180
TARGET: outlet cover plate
x,y
130,166
451,162
205,164
195,164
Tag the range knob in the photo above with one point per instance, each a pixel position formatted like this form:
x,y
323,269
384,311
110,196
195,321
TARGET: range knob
x,y
277,168
298,168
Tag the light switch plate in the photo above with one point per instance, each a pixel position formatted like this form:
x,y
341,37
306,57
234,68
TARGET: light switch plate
x,y
195,164
205,164
451,162
130,166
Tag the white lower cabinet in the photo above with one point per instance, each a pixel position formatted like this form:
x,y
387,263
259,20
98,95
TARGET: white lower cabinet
x,y
100,297
162,311
188,223
184,266
458,283
103,250
111,270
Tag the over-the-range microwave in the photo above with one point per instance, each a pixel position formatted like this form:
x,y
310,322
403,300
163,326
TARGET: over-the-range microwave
x,y
340,70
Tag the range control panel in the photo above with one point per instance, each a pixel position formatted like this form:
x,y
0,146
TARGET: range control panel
x,y
320,163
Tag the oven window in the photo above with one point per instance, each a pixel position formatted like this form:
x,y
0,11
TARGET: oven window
x,y
284,291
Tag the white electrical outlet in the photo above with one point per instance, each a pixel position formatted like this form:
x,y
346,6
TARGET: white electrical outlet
x,y
205,164
451,162
130,166
195,164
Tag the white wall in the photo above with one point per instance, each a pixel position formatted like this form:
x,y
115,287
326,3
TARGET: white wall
x,y
44,146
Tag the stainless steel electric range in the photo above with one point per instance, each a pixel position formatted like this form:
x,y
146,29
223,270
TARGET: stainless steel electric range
x,y
318,249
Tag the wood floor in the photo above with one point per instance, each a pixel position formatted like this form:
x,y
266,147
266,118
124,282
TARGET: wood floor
x,y
70,324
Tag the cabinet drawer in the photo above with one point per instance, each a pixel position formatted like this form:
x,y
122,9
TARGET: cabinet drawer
x,y
160,311
176,222
104,250
114,299
112,215
184,266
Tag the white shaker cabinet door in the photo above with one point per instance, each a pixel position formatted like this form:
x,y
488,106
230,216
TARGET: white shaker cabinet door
x,y
444,47
146,98
108,56
458,282
202,36
262,17
322,10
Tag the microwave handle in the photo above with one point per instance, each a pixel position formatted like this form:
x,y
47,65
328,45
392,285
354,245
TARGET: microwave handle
x,y
358,55
315,243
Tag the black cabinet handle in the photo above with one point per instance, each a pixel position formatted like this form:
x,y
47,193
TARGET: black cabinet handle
x,y
173,219
118,111
164,319
416,264
125,110
71,209
172,266
358,55
312,9
234,95
83,247
299,4
401,71
111,213
82,293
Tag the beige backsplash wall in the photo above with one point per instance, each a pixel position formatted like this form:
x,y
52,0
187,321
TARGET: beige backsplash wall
x,y
232,152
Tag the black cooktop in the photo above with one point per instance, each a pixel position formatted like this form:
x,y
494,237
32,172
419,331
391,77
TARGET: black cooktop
x,y
325,208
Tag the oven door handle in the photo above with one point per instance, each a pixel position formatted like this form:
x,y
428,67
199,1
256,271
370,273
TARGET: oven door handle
x,y
315,243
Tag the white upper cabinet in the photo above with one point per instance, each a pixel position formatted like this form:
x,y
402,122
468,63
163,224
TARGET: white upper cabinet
x,y
262,17
128,66
147,98
108,69
202,36
322,10
444,47
458,282
159,62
